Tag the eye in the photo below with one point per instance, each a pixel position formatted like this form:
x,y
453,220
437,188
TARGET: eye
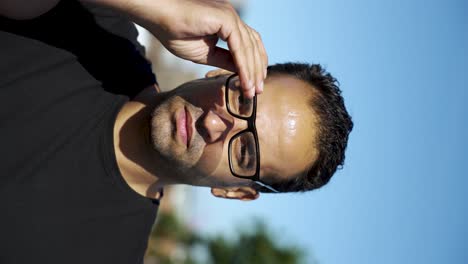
x,y
246,153
240,101
242,155
244,104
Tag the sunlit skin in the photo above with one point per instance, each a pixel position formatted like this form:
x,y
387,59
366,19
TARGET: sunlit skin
x,y
151,155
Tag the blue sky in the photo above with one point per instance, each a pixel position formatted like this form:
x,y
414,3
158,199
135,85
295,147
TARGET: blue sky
x,y
402,195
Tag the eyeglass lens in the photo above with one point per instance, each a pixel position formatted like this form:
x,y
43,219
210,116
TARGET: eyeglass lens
x,y
244,154
238,105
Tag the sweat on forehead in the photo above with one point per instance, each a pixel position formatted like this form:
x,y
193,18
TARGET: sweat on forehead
x,y
287,126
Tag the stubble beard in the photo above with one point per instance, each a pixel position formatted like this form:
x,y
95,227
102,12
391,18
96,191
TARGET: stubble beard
x,y
179,159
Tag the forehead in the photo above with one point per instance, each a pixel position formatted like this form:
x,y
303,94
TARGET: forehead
x,y
286,126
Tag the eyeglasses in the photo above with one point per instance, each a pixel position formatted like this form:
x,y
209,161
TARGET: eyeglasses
x,y
243,149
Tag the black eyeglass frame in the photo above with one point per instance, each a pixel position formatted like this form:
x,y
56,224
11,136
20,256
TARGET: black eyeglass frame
x,y
250,128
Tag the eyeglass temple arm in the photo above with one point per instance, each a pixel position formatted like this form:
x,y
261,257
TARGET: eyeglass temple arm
x,y
266,186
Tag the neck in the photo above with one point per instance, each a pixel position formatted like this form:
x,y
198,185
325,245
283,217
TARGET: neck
x,y
139,164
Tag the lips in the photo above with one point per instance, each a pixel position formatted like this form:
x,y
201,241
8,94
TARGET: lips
x,y
184,126
188,126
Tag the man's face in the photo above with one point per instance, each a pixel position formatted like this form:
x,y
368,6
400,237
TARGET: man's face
x,y
191,129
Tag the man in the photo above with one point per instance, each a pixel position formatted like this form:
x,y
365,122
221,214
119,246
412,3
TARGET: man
x,y
204,132
82,168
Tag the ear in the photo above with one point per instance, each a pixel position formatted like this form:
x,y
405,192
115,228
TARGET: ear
x,y
239,193
217,72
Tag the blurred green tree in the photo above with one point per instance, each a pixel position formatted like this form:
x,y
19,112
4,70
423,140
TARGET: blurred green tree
x,y
172,242
252,246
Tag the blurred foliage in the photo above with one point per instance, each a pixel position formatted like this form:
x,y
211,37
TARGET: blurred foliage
x,y
255,246
173,242
169,225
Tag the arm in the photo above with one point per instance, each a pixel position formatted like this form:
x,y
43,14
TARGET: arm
x,y
25,9
111,59
189,29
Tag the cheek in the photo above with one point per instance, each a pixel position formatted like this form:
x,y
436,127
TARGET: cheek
x,y
218,170
204,97
214,164
212,159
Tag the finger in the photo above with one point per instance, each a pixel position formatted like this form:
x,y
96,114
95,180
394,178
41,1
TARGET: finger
x,y
234,36
257,74
249,53
259,65
220,58
263,52
217,72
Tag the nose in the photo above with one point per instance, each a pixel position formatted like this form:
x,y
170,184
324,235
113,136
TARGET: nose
x,y
216,125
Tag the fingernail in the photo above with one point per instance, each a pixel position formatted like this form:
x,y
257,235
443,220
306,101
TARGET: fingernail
x,y
265,73
261,86
249,93
250,84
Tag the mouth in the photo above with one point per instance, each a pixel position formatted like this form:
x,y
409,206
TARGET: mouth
x,y
184,126
188,126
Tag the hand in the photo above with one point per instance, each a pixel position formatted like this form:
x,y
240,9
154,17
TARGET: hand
x,y
190,30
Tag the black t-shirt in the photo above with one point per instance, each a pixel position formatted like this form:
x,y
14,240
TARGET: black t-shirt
x,y
62,197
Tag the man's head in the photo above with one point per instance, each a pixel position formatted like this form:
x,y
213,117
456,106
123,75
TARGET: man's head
x,y
301,122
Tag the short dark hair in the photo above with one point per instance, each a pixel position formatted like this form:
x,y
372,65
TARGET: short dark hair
x,y
334,125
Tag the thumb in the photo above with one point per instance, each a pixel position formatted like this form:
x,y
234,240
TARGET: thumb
x,y
221,58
